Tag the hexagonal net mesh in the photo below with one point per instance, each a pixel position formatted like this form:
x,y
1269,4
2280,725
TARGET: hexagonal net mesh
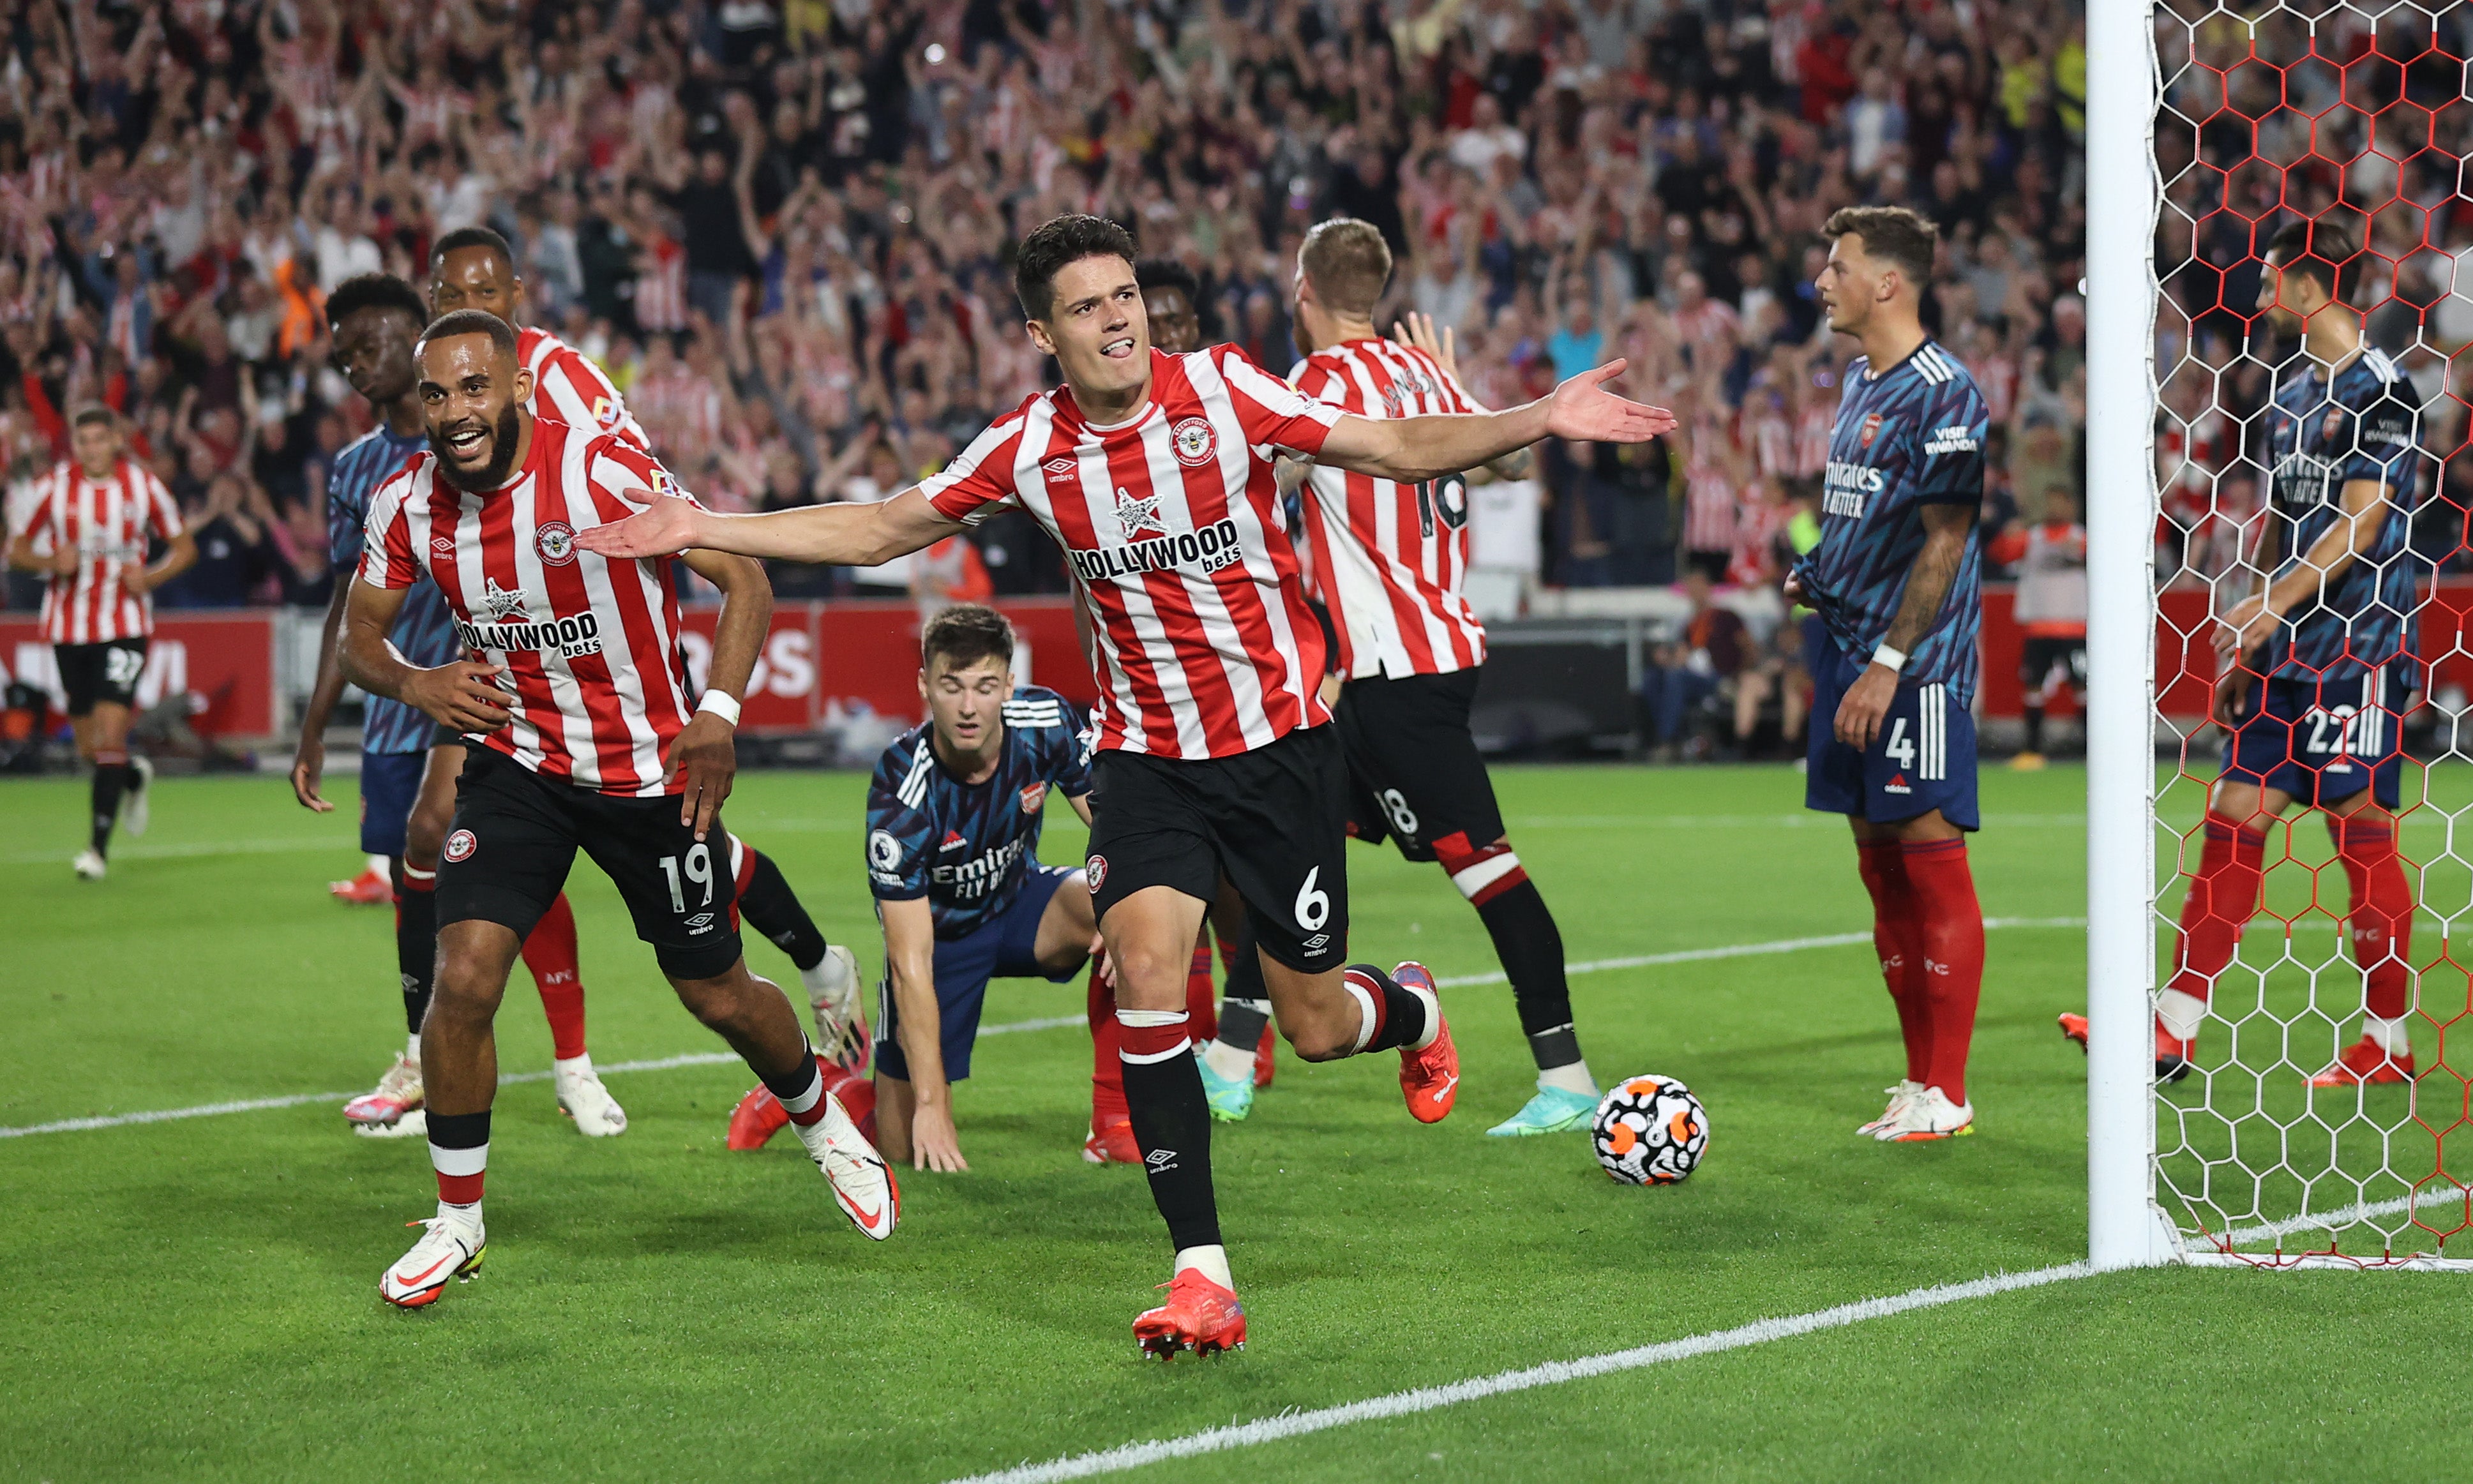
x,y
2314,262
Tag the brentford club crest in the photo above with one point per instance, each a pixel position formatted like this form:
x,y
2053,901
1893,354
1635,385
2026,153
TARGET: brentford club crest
x,y
1871,428
555,540
1196,445
461,845
1032,797
1096,871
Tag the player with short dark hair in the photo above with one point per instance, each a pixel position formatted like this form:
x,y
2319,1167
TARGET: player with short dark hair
x,y
1153,473
88,533
578,694
2319,666
1389,560
1896,580
474,268
1173,296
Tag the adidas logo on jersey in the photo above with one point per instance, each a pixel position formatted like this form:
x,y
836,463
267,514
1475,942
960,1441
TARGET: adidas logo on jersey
x,y
953,841
1897,784
1206,551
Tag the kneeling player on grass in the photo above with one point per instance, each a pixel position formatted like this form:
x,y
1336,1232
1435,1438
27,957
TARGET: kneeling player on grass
x,y
2329,632
1897,579
578,693
1155,473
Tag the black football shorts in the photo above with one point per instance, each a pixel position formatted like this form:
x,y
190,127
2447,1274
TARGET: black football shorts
x,y
1273,821
514,837
1414,772
109,671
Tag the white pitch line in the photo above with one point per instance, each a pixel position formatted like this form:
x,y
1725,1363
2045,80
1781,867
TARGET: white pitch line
x,y
1428,1399
1736,951
2341,1216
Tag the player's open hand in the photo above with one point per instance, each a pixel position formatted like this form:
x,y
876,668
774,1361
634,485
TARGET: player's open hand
x,y
138,581
2248,625
934,1143
1864,704
1417,330
459,695
308,767
1583,408
663,528
705,757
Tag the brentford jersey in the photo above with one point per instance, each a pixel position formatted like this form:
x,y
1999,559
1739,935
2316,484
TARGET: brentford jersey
x,y
569,387
1388,558
1171,525
590,644
107,521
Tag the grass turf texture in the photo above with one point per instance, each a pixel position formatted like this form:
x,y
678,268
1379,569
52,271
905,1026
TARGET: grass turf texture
x,y
195,1300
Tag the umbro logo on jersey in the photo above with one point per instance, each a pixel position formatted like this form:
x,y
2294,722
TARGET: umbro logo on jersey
x,y
441,545
500,603
1137,517
555,540
1871,428
1197,442
953,841
1160,1161
1060,469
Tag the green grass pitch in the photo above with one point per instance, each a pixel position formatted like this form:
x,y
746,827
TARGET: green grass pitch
x,y
196,1300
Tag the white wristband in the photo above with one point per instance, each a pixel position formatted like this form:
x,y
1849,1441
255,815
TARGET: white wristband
x,y
720,703
1894,661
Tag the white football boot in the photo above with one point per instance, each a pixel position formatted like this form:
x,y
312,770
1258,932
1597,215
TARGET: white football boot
x,y
452,1248
581,1096
833,996
863,1184
132,802
1928,1114
399,1092
1901,1094
89,866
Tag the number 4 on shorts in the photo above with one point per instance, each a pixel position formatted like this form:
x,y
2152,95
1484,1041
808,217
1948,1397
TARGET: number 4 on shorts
x,y
1900,747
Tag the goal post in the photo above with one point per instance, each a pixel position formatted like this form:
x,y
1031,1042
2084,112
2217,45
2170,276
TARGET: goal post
x,y
2220,452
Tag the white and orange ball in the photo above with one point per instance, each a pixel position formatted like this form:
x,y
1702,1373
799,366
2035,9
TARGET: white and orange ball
x,y
1650,1131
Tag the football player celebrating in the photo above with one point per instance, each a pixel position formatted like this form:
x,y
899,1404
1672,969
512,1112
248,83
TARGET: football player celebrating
x,y
87,534
578,694
1387,562
2317,664
1896,580
1155,474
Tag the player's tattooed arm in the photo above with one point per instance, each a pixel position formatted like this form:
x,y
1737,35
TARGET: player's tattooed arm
x,y
840,535
457,694
1947,529
703,758
2362,511
1409,450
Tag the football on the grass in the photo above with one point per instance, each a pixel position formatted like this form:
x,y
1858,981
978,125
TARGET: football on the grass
x,y
1650,1131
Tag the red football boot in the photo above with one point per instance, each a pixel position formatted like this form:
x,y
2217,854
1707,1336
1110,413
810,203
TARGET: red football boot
x,y
2365,1064
1199,1316
369,889
1430,1078
2171,1053
756,1118
1262,1065
1111,1142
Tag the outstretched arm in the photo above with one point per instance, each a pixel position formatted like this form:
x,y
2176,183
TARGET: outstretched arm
x,y
825,534
1411,449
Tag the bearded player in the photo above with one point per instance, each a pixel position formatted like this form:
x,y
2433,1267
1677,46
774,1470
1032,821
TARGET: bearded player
x,y
2317,665
88,533
1155,474
1388,559
578,696
1896,580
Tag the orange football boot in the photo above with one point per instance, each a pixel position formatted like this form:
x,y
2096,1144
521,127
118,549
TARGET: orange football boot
x,y
1429,1079
1199,1316
756,1118
2171,1054
2365,1064
369,889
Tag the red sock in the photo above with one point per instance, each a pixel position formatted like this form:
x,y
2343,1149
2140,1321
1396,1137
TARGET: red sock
x,y
1949,934
550,954
1201,996
2222,897
2382,914
1227,950
1107,1072
1884,868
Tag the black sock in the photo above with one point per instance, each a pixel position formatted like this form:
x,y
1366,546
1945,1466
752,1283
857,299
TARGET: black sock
x,y
1173,1125
1244,969
1530,947
795,1084
416,942
770,905
110,779
1241,1022
1403,1014
2034,727
460,1131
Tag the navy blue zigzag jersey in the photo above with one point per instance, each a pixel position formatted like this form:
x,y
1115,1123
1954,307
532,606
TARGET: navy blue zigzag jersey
x,y
968,847
2321,437
424,631
1910,436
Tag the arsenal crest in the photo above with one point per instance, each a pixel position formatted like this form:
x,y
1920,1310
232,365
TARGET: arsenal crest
x,y
1033,797
555,540
2331,426
1871,429
1196,445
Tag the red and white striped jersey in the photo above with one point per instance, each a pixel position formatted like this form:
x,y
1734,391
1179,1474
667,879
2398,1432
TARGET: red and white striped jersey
x,y
1388,558
107,522
1171,524
569,387
590,644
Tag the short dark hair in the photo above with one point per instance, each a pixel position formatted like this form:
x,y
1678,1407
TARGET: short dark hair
x,y
376,290
966,634
1902,238
1348,263
471,322
464,237
2323,252
1166,273
93,412
1058,241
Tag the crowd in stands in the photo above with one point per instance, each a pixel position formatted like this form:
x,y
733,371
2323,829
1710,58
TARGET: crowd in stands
x,y
783,226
